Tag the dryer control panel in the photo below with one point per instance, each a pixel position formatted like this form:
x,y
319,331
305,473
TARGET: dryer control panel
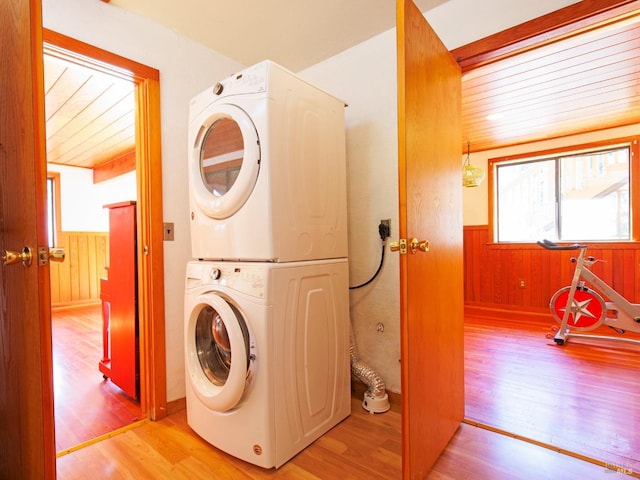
x,y
250,80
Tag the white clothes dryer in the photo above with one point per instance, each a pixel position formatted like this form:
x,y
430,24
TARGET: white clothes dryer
x,y
267,169
267,355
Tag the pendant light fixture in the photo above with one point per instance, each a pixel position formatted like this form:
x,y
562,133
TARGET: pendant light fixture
x,y
472,176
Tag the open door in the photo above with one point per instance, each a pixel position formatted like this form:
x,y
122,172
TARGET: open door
x,y
27,446
430,202
150,241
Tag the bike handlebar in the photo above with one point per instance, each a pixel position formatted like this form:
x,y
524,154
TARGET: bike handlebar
x,y
549,245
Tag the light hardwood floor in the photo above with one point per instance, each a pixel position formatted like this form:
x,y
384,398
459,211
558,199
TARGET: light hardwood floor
x,y
86,405
515,379
364,446
583,397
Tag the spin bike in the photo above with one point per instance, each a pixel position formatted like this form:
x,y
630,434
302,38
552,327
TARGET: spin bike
x,y
579,308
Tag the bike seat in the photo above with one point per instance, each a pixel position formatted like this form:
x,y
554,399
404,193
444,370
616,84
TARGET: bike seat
x,y
549,245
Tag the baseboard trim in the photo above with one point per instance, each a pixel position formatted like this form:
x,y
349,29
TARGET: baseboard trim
x,y
176,406
505,312
91,302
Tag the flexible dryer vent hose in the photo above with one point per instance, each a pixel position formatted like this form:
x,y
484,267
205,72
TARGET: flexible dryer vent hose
x,y
375,399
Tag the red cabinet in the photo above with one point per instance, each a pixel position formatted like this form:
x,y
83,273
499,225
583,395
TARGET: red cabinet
x,y
118,292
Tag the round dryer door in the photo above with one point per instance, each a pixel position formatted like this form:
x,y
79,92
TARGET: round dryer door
x,y
225,162
218,352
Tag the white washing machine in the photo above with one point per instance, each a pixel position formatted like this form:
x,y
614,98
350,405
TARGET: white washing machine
x,y
267,169
267,355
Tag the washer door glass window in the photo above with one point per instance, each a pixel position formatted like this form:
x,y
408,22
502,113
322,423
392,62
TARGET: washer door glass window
x,y
218,352
214,345
225,162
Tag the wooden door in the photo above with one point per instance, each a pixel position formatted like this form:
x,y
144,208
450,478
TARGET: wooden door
x,y
431,283
27,446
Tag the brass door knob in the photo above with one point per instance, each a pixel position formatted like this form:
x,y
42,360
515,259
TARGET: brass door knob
x,y
414,245
10,257
422,245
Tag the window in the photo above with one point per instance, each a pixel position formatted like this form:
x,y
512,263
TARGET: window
x,y
580,195
53,207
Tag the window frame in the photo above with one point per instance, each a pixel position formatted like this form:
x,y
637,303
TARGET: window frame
x,y
55,179
634,182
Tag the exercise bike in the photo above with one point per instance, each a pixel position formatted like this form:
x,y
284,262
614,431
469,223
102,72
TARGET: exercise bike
x,y
579,308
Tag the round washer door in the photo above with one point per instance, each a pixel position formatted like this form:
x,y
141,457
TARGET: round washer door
x,y
217,352
225,161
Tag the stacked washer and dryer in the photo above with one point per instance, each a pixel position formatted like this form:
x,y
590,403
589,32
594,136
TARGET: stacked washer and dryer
x,y
266,302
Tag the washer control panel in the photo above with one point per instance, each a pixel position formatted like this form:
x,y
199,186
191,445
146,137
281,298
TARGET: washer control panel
x,y
245,278
241,277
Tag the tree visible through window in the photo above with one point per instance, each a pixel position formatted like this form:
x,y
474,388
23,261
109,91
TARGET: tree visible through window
x,y
570,197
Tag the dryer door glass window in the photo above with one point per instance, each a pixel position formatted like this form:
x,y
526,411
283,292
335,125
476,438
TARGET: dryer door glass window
x,y
225,163
221,156
213,345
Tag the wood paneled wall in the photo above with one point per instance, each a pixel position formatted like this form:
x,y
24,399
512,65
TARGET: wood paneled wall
x,y
76,281
494,273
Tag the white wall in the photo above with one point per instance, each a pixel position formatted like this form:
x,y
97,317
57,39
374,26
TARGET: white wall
x,y
364,76
186,68
82,201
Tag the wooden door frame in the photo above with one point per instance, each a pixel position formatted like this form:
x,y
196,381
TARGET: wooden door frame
x,y
150,247
549,28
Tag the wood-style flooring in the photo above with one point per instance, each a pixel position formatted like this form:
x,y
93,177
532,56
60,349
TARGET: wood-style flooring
x,y
583,396
86,405
579,400
363,447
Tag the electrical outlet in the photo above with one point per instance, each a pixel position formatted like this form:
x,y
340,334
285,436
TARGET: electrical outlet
x,y
523,284
387,224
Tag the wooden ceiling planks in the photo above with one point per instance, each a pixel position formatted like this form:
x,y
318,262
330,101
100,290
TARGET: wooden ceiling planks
x,y
581,83
90,115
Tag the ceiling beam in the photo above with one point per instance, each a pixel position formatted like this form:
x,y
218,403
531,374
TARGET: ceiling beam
x,y
115,167
545,29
